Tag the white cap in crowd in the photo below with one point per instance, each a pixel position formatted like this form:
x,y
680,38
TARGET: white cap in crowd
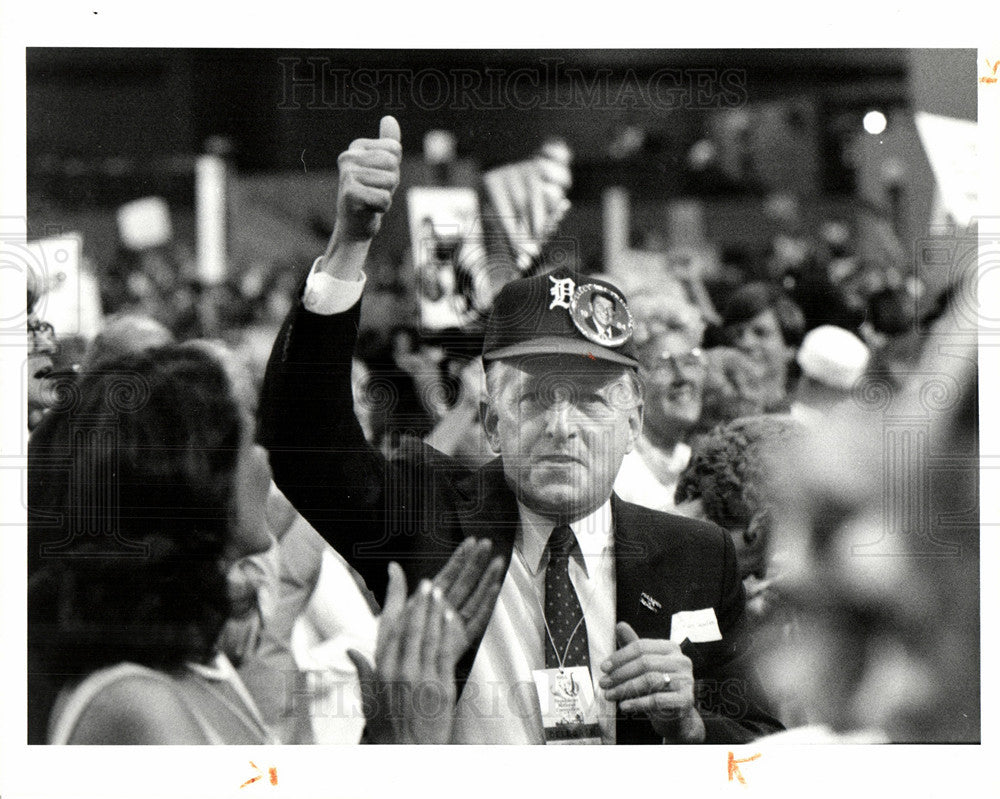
x,y
833,356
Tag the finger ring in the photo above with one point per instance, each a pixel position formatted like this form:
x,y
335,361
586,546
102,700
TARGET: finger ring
x,y
666,680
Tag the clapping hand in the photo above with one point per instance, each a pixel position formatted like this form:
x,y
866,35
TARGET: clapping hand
x,y
653,676
409,696
471,583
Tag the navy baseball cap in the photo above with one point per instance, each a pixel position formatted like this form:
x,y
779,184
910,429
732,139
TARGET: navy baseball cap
x,y
560,313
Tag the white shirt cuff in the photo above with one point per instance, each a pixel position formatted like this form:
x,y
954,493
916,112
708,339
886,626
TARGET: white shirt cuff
x,y
327,295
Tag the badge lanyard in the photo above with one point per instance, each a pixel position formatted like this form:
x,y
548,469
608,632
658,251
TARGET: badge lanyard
x,y
561,660
569,713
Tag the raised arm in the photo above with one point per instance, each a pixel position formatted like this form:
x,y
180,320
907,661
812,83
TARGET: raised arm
x,y
318,451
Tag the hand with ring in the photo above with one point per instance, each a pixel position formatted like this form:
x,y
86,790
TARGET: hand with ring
x,y
653,676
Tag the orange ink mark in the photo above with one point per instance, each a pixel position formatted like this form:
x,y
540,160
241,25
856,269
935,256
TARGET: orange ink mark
x,y
734,768
274,775
591,356
985,79
992,66
260,774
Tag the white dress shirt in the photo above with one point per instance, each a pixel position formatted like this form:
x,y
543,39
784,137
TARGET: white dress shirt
x,y
499,703
327,295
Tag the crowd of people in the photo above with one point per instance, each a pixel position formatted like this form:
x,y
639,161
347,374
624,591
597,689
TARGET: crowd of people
x,y
625,517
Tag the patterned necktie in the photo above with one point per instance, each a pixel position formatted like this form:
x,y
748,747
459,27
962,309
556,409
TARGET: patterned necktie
x,y
563,613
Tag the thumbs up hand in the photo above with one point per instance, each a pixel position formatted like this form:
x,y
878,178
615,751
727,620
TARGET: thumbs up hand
x,y
369,175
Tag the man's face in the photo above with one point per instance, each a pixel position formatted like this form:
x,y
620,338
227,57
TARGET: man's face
x,y
674,373
562,425
604,310
760,338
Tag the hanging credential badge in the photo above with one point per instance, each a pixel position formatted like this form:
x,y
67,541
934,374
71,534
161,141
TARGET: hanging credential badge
x,y
569,707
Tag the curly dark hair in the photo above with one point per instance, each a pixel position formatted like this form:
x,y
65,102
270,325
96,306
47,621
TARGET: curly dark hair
x,y
728,468
130,528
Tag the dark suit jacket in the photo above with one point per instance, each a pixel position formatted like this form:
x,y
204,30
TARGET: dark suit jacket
x,y
419,506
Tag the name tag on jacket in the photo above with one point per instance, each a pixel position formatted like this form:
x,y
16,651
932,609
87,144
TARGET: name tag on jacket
x,y
698,626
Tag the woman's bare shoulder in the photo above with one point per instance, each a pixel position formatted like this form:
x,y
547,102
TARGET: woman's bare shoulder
x,y
138,709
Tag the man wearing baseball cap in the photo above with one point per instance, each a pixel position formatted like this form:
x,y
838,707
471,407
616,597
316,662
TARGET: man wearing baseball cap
x,y
614,623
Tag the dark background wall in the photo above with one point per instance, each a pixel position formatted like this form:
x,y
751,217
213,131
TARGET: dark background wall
x,y
108,125
272,104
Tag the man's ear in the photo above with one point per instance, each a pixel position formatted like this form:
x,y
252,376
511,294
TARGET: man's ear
x,y
491,423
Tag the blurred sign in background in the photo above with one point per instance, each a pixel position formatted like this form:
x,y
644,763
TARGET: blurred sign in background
x,y
696,146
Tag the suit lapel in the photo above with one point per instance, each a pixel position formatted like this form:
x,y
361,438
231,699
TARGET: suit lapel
x,y
487,508
648,568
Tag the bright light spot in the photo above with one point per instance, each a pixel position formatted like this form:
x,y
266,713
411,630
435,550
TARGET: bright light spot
x,y
874,122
